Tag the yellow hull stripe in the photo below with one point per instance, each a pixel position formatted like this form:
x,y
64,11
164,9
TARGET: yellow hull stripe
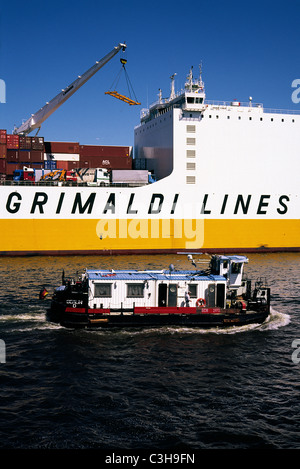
x,y
90,235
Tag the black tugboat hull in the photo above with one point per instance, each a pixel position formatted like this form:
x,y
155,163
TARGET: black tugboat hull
x,y
90,320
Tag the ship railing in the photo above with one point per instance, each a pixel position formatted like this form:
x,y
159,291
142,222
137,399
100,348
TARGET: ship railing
x,y
237,104
281,111
234,103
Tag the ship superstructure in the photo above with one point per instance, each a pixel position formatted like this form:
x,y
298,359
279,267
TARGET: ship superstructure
x,y
220,177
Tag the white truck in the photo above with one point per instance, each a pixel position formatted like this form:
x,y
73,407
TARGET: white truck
x,y
93,176
105,177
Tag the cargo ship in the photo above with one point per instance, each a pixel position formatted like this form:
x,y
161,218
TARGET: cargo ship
x,y
201,176
217,296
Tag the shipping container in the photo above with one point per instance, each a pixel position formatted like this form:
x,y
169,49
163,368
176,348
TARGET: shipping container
x,y
24,156
3,136
104,151
108,162
11,167
37,165
2,166
62,156
12,156
37,156
12,141
37,143
62,165
73,164
50,164
25,143
61,147
3,150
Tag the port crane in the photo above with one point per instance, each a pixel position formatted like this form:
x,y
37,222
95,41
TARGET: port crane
x,y
36,120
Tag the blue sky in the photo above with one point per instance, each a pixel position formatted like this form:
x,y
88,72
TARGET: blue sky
x,y
246,49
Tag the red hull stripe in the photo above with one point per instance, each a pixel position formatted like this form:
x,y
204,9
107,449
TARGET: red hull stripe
x,y
164,310
75,310
150,310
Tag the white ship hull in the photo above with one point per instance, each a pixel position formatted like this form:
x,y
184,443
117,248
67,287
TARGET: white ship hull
x,y
227,180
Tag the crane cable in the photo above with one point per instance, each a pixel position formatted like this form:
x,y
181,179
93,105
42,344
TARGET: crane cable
x,y
116,94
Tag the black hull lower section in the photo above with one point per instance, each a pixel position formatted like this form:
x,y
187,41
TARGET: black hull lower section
x,y
90,321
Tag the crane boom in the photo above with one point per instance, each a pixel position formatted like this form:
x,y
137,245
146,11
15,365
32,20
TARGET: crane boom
x,y
35,121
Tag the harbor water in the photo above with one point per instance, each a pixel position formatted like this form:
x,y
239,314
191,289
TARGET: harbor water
x,y
168,389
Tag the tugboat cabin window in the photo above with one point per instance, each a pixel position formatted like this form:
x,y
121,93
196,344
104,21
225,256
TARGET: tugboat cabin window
x,y
103,290
135,290
193,291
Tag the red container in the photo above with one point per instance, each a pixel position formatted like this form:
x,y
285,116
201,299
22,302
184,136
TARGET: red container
x,y
2,136
73,164
2,166
3,150
62,165
37,156
24,156
35,165
25,143
12,156
13,141
11,167
37,143
103,150
112,162
61,147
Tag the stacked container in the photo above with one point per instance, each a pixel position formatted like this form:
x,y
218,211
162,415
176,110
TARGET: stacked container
x,y
23,151
61,155
101,156
12,141
3,151
19,151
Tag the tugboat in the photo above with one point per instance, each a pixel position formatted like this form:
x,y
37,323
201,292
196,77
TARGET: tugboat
x,y
216,296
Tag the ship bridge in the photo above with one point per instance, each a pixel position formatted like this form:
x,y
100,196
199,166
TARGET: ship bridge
x,y
191,98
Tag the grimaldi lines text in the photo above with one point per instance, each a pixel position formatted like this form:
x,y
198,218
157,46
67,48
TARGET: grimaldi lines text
x,y
103,203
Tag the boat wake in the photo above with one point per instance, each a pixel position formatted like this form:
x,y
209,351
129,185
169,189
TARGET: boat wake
x,y
274,321
31,321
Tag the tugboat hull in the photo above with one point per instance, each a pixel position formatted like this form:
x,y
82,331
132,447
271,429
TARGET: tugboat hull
x,y
80,318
